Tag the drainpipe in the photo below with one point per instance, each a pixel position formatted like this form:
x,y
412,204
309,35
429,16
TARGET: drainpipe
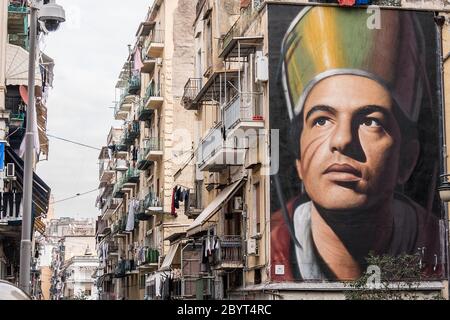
x,y
440,21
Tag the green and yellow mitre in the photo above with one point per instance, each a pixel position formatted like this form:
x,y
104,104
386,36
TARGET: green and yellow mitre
x,y
326,41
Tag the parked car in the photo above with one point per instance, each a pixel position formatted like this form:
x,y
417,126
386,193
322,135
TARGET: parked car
x,y
8,291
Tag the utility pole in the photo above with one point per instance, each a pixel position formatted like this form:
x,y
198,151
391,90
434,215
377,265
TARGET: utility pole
x,y
25,244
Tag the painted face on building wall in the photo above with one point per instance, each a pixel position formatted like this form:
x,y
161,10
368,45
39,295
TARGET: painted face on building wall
x,y
350,144
361,104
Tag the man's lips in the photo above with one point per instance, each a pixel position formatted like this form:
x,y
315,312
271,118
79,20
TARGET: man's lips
x,y
343,172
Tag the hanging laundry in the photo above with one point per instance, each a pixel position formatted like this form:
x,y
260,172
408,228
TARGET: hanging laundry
x,y
186,201
132,208
177,198
173,211
347,2
138,64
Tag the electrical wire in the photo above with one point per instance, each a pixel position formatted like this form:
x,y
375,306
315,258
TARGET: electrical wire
x,y
74,142
75,196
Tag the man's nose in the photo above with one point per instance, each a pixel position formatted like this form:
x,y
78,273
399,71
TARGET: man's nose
x,y
342,137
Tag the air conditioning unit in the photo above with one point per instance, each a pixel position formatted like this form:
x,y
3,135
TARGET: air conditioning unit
x,y
251,247
238,204
10,170
261,69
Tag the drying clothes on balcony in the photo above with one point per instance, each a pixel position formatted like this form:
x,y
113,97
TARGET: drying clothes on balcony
x,y
175,204
133,207
186,200
10,204
138,64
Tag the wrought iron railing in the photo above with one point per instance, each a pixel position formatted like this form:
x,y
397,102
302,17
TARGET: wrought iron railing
x,y
230,250
191,89
241,107
210,144
152,144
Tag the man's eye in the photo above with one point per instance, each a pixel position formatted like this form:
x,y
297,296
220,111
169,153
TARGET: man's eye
x,y
320,122
371,122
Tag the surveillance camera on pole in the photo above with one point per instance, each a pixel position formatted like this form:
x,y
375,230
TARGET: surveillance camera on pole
x,y
50,16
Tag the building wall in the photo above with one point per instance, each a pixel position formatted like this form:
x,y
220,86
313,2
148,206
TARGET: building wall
x,y
46,276
3,41
76,245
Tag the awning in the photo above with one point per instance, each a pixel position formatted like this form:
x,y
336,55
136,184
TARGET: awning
x,y
41,192
39,226
169,257
145,28
17,67
223,197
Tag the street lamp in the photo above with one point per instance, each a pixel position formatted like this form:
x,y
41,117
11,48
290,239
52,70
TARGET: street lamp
x,y
50,15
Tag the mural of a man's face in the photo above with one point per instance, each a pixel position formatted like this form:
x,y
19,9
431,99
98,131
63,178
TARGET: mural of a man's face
x,y
351,144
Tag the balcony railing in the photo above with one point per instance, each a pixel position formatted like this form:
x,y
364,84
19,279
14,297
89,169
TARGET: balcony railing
x,y
210,144
152,203
243,22
104,166
153,90
241,109
155,36
17,8
230,250
144,113
143,163
191,90
134,84
131,176
152,144
131,132
111,205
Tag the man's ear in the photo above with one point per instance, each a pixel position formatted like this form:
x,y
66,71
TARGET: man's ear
x,y
408,160
298,165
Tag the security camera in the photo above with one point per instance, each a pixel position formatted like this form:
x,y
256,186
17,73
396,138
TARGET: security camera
x,y
51,15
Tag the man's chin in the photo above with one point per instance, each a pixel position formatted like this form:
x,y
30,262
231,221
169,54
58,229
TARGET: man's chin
x,y
342,202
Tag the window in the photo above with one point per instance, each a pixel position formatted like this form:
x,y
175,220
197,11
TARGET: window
x,y
257,276
208,44
256,208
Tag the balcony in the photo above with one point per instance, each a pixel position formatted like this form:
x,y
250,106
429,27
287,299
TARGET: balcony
x,y
117,191
215,153
240,114
230,254
120,150
121,165
191,90
153,98
124,106
130,133
151,204
131,176
106,173
153,150
18,24
134,84
144,113
143,164
148,62
110,206
150,258
154,46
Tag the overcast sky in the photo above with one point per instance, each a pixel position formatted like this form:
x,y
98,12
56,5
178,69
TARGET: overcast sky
x,y
89,51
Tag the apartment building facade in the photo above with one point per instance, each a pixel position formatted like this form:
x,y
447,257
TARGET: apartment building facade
x,y
238,168
138,164
14,21
70,247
